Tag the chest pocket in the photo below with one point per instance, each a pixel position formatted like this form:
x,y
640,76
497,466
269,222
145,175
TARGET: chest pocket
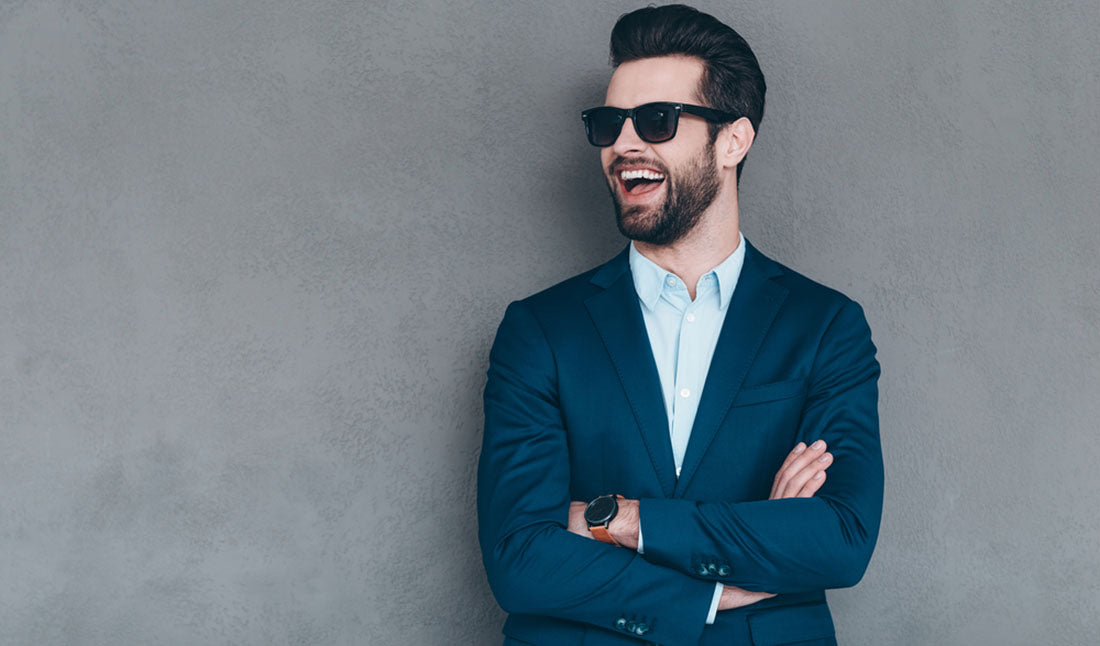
x,y
770,392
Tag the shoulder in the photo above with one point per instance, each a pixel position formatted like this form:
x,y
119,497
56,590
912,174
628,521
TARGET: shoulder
x,y
533,325
567,296
806,296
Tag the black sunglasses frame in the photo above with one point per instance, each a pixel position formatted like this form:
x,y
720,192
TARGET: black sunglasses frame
x,y
710,114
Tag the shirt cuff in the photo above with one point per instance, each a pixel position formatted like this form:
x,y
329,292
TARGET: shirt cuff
x,y
640,550
714,603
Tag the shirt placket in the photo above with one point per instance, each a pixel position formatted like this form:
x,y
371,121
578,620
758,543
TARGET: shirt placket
x,y
685,387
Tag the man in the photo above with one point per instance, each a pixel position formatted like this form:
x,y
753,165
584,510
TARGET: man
x,y
658,429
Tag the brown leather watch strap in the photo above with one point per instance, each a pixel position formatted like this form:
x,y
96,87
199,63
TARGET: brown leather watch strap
x,y
602,535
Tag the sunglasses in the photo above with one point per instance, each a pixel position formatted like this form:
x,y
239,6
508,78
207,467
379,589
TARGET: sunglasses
x,y
654,122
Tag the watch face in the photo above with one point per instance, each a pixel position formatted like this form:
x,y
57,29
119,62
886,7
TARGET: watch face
x,y
600,510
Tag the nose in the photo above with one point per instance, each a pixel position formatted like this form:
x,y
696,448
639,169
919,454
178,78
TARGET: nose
x,y
628,140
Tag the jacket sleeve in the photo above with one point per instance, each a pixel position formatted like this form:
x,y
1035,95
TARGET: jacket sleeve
x,y
795,544
534,565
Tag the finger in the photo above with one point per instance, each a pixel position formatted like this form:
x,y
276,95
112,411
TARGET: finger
x,y
798,479
791,457
805,457
795,452
795,485
810,488
813,452
816,473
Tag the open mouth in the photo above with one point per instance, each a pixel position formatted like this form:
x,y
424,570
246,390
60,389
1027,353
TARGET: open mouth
x,y
639,181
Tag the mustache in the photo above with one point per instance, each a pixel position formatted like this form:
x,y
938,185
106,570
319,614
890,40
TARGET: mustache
x,y
619,162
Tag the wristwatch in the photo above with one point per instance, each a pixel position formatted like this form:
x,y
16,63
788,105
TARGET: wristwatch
x,y
598,514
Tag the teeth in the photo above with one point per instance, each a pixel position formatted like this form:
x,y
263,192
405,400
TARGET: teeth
x,y
641,174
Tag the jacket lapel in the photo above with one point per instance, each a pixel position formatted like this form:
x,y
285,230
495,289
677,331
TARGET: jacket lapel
x,y
756,300
617,315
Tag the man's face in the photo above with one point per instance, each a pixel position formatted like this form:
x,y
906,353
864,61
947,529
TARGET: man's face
x,y
662,211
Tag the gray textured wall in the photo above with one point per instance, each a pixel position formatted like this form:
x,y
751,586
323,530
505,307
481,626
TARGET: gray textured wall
x,y
252,256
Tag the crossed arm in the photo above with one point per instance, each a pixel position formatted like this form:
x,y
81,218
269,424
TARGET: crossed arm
x,y
800,476
790,543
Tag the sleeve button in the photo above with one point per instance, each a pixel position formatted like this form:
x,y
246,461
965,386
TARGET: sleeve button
x,y
712,569
620,623
701,569
641,629
630,626
724,570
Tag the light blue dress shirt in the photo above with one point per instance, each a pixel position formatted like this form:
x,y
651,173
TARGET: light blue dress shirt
x,y
683,333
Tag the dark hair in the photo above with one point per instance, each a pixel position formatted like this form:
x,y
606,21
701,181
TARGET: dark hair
x,y
732,80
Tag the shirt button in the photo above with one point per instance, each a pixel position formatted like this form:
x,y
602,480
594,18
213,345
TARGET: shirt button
x,y
691,317
685,392
670,281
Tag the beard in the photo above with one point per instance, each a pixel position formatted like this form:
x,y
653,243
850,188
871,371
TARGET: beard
x,y
688,193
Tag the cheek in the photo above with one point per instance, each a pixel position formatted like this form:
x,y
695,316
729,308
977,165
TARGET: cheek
x,y
605,157
680,158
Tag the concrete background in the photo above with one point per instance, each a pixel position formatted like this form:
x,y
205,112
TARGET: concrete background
x,y
252,256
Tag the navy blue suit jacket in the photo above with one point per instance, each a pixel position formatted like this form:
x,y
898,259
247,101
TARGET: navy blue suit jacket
x,y
573,409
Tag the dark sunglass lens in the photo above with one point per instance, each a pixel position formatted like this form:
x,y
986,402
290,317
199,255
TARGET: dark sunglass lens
x,y
604,125
656,123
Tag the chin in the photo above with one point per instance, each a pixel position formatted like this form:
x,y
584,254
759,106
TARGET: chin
x,y
641,227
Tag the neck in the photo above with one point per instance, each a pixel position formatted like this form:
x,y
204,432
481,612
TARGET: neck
x,y
712,240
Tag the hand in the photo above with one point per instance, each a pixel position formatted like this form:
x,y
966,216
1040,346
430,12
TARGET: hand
x,y
802,473
735,597
800,476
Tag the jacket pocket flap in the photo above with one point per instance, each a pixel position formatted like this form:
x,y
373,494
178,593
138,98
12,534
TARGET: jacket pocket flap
x,y
791,624
769,392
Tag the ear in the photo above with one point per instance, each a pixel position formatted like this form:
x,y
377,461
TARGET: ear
x,y
733,143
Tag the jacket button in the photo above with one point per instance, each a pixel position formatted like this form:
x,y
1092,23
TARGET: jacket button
x,y
641,629
620,623
701,569
723,570
712,569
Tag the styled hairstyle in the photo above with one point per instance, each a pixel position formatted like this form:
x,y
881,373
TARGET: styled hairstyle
x,y
732,80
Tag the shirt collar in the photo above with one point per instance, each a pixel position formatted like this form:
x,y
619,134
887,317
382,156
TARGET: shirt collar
x,y
649,277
